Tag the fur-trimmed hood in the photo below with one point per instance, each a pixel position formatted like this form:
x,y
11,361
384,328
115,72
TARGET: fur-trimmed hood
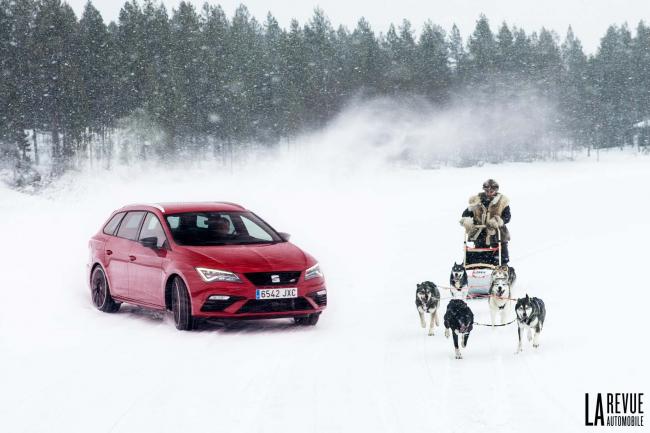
x,y
477,200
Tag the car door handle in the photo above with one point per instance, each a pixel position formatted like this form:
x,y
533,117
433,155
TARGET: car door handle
x,y
109,252
132,258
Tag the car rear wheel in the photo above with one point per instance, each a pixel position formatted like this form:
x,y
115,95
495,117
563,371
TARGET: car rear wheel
x,y
309,320
100,292
181,308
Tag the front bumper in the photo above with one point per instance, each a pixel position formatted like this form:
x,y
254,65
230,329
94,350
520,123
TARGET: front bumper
x,y
261,309
243,305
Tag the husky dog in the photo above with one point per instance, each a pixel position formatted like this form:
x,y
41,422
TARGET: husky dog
x,y
460,320
531,313
505,271
500,293
458,281
427,300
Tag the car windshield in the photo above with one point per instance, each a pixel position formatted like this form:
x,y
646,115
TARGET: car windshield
x,y
220,228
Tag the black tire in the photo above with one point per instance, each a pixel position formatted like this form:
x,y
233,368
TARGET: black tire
x,y
313,319
100,292
181,307
310,320
301,320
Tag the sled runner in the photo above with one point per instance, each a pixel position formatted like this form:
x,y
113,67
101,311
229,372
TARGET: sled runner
x,y
479,263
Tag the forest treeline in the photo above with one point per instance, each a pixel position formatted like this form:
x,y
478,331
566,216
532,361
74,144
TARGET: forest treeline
x,y
195,79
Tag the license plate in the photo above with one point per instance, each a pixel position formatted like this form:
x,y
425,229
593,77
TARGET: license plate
x,y
286,292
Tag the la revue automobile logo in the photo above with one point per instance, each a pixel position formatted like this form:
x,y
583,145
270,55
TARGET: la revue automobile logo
x,y
617,409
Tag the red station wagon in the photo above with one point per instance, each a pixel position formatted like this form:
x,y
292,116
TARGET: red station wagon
x,y
203,260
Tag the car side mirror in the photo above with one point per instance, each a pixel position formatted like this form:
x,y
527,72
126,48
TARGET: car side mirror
x,y
151,242
284,236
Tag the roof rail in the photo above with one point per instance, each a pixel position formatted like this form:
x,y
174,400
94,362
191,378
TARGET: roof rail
x,y
157,206
230,203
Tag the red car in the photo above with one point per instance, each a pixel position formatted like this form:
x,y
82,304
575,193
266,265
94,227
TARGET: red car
x,y
203,260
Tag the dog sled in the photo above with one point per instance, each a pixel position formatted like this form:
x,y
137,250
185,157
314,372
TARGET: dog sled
x,y
479,263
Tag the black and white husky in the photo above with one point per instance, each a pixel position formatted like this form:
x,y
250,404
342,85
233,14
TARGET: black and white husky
x,y
458,281
500,293
459,319
427,300
531,313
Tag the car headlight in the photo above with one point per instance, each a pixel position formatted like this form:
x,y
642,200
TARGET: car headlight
x,y
313,272
210,275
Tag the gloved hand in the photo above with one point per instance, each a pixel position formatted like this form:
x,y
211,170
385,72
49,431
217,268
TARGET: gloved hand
x,y
468,223
495,222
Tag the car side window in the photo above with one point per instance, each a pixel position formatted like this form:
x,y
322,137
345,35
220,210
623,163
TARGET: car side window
x,y
255,231
173,221
130,225
110,226
153,228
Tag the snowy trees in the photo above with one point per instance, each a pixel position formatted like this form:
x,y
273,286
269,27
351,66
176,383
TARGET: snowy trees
x,y
203,80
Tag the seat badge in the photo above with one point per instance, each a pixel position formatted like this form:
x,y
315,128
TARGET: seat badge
x,y
275,278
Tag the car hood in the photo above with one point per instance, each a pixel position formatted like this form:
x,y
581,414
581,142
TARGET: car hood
x,y
282,256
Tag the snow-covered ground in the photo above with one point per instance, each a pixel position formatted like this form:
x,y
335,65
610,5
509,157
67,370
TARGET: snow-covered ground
x,y
579,231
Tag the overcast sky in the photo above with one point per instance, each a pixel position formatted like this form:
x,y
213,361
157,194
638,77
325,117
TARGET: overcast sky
x,y
589,19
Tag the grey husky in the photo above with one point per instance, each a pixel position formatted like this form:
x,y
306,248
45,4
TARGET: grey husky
x,y
427,300
531,314
458,281
500,292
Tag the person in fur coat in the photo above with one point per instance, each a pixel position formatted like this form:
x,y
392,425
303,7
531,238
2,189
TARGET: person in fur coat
x,y
492,210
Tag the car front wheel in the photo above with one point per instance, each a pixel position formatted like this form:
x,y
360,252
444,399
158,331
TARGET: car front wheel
x,y
181,308
100,293
310,320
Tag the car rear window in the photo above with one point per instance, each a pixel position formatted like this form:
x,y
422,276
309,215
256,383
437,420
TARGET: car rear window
x,y
130,225
110,227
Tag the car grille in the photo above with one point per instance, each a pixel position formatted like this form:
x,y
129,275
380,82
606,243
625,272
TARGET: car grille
x,y
211,306
321,300
275,305
267,279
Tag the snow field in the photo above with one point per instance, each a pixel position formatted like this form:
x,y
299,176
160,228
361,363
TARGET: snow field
x,y
578,243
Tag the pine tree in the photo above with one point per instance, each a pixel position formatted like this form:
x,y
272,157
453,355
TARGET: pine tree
x,y
522,56
433,76
57,79
186,56
482,49
215,28
243,75
161,96
18,73
641,73
320,49
548,63
612,66
295,86
365,60
273,77
574,103
7,86
95,70
505,57
401,53
342,88
132,64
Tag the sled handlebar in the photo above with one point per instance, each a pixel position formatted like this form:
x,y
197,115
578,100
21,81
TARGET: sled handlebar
x,y
494,249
